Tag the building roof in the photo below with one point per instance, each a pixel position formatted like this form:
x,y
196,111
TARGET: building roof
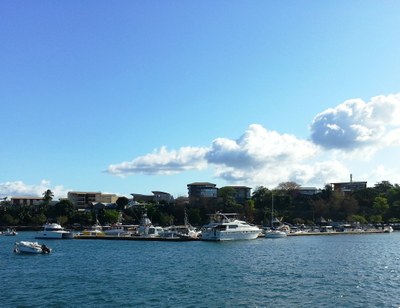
x,y
202,184
160,192
27,197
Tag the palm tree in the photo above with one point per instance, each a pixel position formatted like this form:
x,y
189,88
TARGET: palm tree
x,y
48,196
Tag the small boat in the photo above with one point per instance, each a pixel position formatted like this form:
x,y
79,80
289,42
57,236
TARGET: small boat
x,y
31,248
54,231
117,229
226,227
95,230
183,231
275,234
388,229
10,232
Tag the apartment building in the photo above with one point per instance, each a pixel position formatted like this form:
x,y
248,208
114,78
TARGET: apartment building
x,y
83,199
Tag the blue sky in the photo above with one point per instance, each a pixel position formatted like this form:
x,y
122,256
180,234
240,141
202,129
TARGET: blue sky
x,y
136,96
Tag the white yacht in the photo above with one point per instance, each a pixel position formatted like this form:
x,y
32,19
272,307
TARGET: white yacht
x,y
226,227
54,231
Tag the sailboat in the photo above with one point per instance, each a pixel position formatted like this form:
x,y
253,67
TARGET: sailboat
x,y
274,233
183,231
118,228
95,230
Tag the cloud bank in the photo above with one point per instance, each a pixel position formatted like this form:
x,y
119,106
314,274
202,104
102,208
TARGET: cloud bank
x,y
21,189
264,157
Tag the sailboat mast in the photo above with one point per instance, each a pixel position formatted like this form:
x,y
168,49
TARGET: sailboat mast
x,y
272,210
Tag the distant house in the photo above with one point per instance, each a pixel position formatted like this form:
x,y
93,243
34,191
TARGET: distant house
x,y
348,187
103,205
160,196
157,197
199,191
26,201
308,191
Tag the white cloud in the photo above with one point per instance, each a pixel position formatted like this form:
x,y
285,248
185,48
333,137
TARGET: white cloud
x,y
258,157
344,139
258,147
163,162
356,124
20,189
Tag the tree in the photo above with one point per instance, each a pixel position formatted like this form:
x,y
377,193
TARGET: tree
x,y
227,194
261,197
122,202
47,196
111,216
288,186
357,218
383,187
380,206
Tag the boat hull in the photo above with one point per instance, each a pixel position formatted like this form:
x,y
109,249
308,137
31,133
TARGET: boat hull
x,y
214,235
54,235
275,234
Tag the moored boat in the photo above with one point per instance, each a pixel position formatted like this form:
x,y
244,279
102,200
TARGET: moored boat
x,y
10,232
275,234
226,227
146,228
182,231
95,230
31,248
54,231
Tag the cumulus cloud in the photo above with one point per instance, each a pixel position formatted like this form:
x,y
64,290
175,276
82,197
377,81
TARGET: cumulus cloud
x,y
339,136
21,189
258,157
163,162
356,124
258,147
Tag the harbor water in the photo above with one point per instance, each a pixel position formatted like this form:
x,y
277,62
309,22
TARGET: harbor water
x,y
303,271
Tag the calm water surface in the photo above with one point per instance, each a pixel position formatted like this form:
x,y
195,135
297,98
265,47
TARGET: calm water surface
x,y
309,271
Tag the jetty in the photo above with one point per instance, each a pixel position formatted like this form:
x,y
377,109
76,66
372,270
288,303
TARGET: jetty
x,y
136,238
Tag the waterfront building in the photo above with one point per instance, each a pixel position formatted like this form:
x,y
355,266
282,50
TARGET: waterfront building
x,y
83,200
199,192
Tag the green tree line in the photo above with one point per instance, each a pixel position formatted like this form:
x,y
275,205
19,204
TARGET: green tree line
x,y
378,204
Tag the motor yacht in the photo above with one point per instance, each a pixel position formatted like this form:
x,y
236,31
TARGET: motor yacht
x,y
226,227
54,231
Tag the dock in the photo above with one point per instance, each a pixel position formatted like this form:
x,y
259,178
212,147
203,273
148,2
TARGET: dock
x,y
135,238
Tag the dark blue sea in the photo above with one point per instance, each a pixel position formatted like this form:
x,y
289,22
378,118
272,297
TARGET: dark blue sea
x,y
306,271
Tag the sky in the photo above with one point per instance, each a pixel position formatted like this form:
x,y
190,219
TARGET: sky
x,y
140,96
